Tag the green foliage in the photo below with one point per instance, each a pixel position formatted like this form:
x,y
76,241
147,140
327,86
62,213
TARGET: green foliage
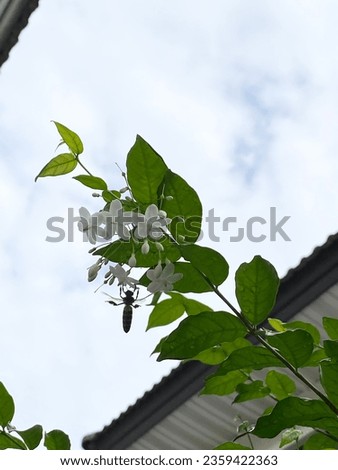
x,y
251,357
217,354
280,326
294,411
60,165
238,341
70,138
320,442
32,436
146,170
331,327
93,182
224,384
56,440
251,391
329,380
183,206
27,439
231,446
280,385
199,332
296,346
207,261
256,289
169,310
7,407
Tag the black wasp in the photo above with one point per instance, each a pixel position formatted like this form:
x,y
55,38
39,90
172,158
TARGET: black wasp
x,y
128,298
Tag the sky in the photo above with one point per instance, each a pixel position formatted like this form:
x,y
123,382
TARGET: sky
x,y
239,97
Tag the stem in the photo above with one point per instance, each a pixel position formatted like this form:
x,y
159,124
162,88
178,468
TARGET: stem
x,y
81,164
252,330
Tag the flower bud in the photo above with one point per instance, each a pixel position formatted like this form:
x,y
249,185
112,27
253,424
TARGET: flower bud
x,y
145,247
132,261
162,214
92,271
169,198
123,190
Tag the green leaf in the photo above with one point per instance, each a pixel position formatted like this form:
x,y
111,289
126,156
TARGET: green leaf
x,y
231,446
278,325
169,310
56,440
316,357
224,384
192,306
7,441
251,391
110,195
183,206
60,165
7,407
295,345
289,436
70,138
165,312
192,281
199,332
208,261
251,357
331,327
320,442
331,349
329,380
281,385
90,181
120,251
220,352
32,436
145,172
302,325
294,411
256,289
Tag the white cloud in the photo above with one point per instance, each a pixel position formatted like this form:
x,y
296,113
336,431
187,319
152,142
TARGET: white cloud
x,y
240,99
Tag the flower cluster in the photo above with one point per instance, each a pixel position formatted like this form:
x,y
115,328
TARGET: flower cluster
x,y
150,227
125,224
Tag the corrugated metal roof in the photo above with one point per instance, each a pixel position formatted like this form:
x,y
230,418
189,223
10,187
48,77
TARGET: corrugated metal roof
x,y
307,291
14,16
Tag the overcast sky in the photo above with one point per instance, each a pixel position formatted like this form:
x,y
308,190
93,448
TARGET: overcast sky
x,y
239,97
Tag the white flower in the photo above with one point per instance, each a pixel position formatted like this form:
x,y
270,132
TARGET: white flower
x,y
90,224
110,218
162,280
152,223
122,276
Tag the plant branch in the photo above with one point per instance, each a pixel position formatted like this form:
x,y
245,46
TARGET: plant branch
x,y
81,164
253,331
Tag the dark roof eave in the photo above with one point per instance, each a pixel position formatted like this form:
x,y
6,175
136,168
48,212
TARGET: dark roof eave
x,y
14,18
302,285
